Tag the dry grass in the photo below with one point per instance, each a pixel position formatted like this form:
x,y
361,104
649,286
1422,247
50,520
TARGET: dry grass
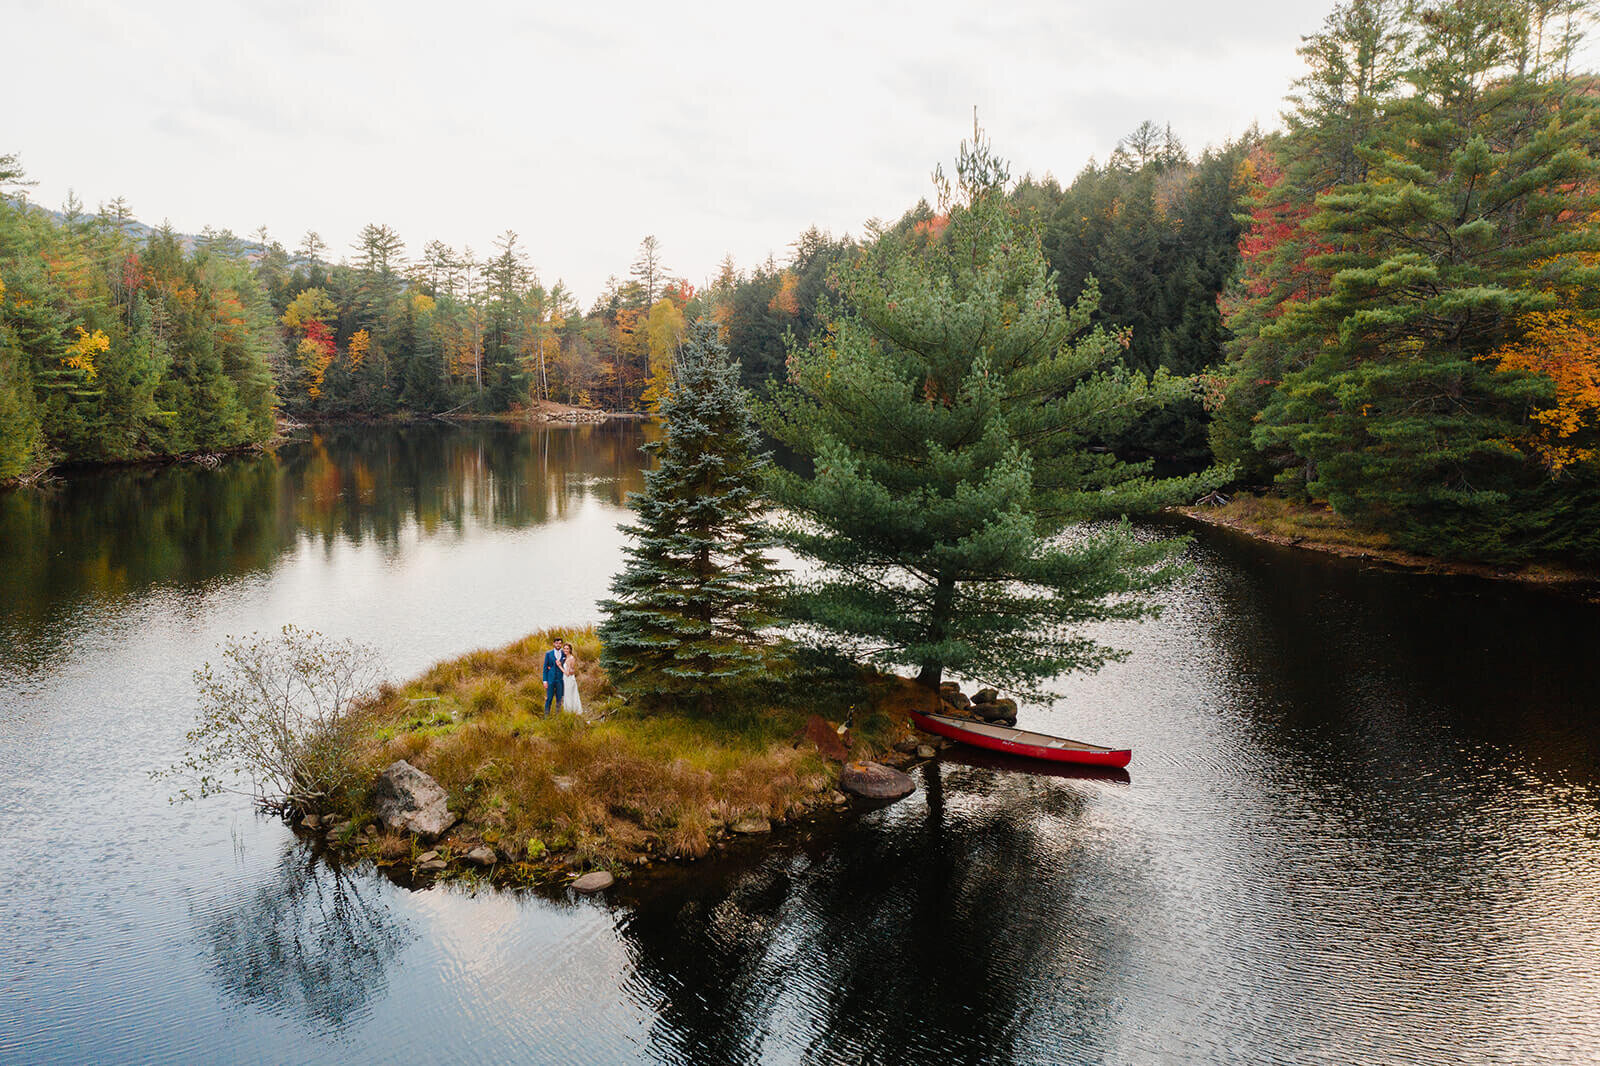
x,y
1293,522
613,789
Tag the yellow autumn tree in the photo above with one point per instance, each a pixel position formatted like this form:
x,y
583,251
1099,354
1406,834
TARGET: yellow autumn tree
x,y
360,345
81,353
309,305
663,332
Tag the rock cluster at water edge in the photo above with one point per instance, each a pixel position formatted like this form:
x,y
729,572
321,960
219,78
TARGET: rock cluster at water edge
x,y
408,800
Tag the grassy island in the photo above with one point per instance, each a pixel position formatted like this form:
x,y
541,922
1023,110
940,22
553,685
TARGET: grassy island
x,y
609,790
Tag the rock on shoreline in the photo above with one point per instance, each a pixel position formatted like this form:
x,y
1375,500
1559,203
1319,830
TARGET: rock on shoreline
x,y
871,780
407,800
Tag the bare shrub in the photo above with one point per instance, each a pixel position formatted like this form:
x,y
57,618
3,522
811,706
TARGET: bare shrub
x,y
282,714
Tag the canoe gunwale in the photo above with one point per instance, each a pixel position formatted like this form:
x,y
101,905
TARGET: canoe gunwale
x,y
1021,741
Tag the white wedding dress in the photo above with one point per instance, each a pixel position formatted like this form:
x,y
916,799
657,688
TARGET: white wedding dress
x,y
571,702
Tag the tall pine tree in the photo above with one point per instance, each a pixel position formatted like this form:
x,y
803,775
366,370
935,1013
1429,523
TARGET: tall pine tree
x,y
696,593
956,415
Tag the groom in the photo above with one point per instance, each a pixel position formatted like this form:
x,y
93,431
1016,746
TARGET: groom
x,y
554,686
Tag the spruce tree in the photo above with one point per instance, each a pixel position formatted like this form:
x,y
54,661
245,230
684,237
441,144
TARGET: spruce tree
x,y
696,593
956,415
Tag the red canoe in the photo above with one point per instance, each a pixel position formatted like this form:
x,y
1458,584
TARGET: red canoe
x,y
1019,741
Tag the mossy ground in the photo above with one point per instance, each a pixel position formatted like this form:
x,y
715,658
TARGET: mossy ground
x,y
617,787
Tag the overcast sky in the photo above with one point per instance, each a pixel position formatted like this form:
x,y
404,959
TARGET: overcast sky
x,y
720,128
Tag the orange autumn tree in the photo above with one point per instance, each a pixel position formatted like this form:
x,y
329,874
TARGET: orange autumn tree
x,y
1564,346
786,299
356,352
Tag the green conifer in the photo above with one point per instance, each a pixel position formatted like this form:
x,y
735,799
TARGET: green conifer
x,y
956,414
1469,205
696,593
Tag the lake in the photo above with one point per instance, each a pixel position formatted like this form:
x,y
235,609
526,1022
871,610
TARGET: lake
x,y
1362,823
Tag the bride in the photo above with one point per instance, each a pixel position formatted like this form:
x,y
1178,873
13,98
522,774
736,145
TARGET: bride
x,y
571,701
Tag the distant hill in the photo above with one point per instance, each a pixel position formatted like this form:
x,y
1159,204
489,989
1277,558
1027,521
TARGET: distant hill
x,y
141,232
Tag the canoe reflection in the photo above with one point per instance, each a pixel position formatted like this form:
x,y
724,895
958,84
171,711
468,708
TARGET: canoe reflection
x,y
962,755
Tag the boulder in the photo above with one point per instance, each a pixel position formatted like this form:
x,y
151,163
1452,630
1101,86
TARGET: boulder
x,y
427,856
408,800
596,881
838,799
431,867
990,712
872,780
956,700
925,752
949,686
985,695
481,856
751,826
907,746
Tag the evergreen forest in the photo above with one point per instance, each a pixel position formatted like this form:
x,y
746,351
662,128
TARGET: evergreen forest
x,y
1388,307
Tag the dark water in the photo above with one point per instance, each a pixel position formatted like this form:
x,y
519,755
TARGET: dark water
x,y
1362,823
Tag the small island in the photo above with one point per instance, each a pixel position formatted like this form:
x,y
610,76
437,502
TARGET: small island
x,y
529,799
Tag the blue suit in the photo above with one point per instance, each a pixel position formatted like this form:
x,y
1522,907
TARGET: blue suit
x,y
554,680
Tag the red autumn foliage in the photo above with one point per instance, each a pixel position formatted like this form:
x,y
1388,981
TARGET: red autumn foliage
x,y
318,333
680,292
133,273
1276,219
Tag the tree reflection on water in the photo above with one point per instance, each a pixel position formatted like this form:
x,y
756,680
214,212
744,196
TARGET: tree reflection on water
x,y
120,534
919,937
311,941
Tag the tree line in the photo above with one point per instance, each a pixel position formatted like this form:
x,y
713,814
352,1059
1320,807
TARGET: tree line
x,y
116,347
386,333
1387,307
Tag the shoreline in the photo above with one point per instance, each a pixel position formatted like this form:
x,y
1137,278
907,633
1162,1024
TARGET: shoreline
x,y
207,457
546,412
1553,578
549,415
